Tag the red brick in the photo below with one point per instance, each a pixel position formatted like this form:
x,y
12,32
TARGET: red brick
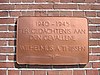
x,y
13,72
92,72
52,1
78,14
65,72
90,14
98,1
95,7
40,13
53,13
11,42
2,72
3,28
65,6
40,6
27,13
98,14
6,50
6,21
94,21
98,28
99,42
92,28
39,72
94,57
11,28
11,57
15,14
95,50
64,1
84,7
3,43
96,65
27,1
6,65
65,13
78,72
90,50
78,1
3,13
15,1
2,57
95,35
6,7
90,1
7,35
93,43
90,35
25,72
53,72
4,1
40,0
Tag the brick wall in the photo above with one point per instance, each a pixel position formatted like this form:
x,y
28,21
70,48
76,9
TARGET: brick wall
x,y
11,9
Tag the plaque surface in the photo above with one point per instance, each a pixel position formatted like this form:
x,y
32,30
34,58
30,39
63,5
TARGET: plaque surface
x,y
52,40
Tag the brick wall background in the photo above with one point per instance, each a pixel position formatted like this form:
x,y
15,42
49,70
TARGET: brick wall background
x,y
11,9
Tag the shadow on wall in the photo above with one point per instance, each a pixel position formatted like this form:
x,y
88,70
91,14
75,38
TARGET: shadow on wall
x,y
43,66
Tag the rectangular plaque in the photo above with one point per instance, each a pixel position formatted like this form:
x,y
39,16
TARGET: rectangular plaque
x,y
52,40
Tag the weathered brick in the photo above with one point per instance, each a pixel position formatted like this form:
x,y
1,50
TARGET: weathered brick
x,y
7,34
90,1
53,72
6,65
40,72
78,14
95,7
95,35
94,21
3,28
92,72
95,50
11,57
98,14
92,28
65,13
28,13
11,42
6,21
65,72
3,42
65,6
64,1
15,1
6,50
52,1
11,28
90,14
25,72
84,7
94,57
2,57
2,72
6,7
13,72
15,13
96,65
78,72
3,13
4,1
93,43
40,13
53,13
98,1
78,1
40,0
27,1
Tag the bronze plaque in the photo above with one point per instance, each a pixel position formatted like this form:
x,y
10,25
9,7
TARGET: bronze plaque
x,y
52,40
